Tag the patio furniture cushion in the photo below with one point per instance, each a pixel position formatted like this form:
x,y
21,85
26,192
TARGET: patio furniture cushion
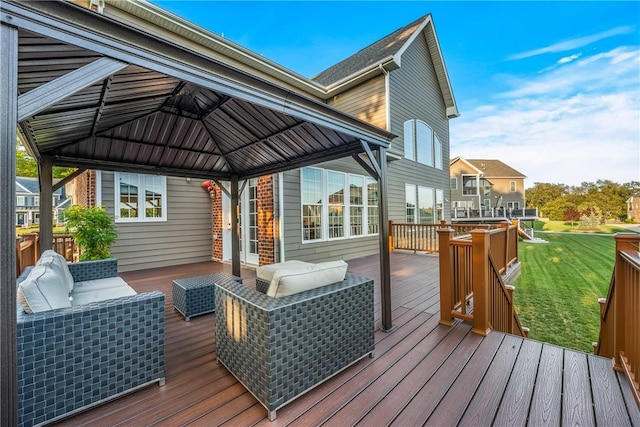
x,y
59,264
266,272
43,290
292,281
100,290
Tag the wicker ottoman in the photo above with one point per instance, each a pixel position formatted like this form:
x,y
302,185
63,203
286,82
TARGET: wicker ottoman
x,y
193,296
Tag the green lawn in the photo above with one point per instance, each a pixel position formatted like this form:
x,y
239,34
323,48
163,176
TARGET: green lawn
x,y
547,225
557,293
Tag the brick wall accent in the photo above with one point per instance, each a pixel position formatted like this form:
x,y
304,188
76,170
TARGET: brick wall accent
x,y
82,189
266,219
216,218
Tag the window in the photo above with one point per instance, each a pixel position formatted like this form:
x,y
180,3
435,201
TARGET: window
x,y
140,197
513,205
334,205
410,197
421,144
512,186
311,204
470,185
20,201
454,183
424,205
487,203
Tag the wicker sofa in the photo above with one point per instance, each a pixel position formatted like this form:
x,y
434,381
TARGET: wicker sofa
x,y
279,348
76,357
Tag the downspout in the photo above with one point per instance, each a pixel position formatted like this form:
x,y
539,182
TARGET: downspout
x,y
281,214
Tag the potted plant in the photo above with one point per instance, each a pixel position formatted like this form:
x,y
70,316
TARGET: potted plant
x,y
93,231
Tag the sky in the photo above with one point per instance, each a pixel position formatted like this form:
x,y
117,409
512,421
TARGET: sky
x,y
550,88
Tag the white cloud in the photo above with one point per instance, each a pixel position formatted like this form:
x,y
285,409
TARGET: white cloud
x,y
573,43
578,122
568,59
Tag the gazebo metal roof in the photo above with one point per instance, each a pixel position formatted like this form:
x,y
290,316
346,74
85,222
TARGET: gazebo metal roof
x,y
106,96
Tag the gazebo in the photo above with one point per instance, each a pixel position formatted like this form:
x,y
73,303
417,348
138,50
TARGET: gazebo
x,y
86,90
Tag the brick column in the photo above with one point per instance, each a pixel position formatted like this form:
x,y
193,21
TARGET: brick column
x,y
216,218
266,218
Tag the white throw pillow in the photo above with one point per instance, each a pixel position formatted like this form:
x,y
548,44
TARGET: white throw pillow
x,y
59,264
290,282
43,290
266,272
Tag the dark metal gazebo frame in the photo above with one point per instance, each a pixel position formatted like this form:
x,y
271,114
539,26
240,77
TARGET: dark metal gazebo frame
x,y
88,91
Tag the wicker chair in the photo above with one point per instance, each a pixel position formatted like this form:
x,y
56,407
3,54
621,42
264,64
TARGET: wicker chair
x,y
279,348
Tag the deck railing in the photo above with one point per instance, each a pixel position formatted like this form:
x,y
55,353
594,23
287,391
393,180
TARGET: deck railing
x,y
620,312
471,283
424,237
484,212
28,249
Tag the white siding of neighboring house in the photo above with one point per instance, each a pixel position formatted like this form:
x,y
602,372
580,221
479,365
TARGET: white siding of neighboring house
x,y
185,237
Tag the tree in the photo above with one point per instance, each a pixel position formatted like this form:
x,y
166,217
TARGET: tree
x,y
542,193
556,208
571,215
27,165
93,230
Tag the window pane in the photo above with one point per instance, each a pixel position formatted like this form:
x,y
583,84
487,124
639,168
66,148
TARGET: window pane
x,y
410,197
439,205
311,204
373,217
153,196
409,140
425,203
437,151
469,185
335,188
311,222
356,204
454,183
311,186
128,205
424,143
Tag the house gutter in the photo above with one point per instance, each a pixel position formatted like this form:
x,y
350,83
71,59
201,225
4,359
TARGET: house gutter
x,y
385,65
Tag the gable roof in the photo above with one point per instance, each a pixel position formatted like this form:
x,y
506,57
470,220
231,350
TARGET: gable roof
x,y
25,184
495,168
387,53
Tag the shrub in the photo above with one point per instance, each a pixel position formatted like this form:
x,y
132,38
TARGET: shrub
x,y
93,231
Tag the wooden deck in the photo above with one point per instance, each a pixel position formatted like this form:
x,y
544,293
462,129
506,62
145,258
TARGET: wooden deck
x,y
423,373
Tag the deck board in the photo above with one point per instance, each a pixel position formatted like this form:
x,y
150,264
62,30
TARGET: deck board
x,y
576,391
514,408
422,372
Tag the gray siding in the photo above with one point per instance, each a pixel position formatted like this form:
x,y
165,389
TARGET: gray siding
x,y
184,238
319,251
415,94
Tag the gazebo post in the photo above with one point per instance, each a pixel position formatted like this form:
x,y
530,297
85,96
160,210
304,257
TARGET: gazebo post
x,y
45,174
385,265
235,227
8,120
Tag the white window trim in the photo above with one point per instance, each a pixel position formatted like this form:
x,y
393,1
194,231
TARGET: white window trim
x,y
455,181
143,218
416,193
513,187
346,207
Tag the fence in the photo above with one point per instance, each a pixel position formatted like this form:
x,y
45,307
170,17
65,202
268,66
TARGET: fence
x,y
619,312
424,237
28,249
471,284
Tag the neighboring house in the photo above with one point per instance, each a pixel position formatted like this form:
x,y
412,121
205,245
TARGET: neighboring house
x,y
633,208
485,185
28,202
329,211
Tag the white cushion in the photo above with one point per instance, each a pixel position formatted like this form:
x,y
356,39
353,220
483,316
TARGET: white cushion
x,y
100,290
266,272
290,282
59,264
43,290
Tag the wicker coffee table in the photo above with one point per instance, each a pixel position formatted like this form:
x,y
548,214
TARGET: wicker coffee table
x,y
193,296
